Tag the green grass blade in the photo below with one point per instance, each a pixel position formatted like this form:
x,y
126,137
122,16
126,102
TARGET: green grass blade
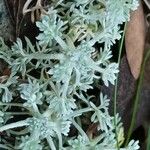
x,y
116,86
137,97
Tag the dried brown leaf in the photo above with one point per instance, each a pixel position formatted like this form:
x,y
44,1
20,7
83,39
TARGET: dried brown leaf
x,y
135,40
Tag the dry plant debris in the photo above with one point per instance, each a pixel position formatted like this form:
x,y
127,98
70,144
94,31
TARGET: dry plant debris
x,y
135,40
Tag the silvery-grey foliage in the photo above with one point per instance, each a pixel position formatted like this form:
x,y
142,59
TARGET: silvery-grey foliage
x,y
49,80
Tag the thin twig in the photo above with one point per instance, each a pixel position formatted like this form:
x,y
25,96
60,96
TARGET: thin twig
x,y
147,3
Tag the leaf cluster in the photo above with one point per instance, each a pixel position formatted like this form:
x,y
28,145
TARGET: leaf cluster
x,y
49,81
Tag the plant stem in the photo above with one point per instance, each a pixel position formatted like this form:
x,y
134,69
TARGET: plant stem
x,y
45,56
11,104
35,107
17,113
59,139
116,87
79,112
13,125
61,42
51,143
80,129
18,133
137,97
